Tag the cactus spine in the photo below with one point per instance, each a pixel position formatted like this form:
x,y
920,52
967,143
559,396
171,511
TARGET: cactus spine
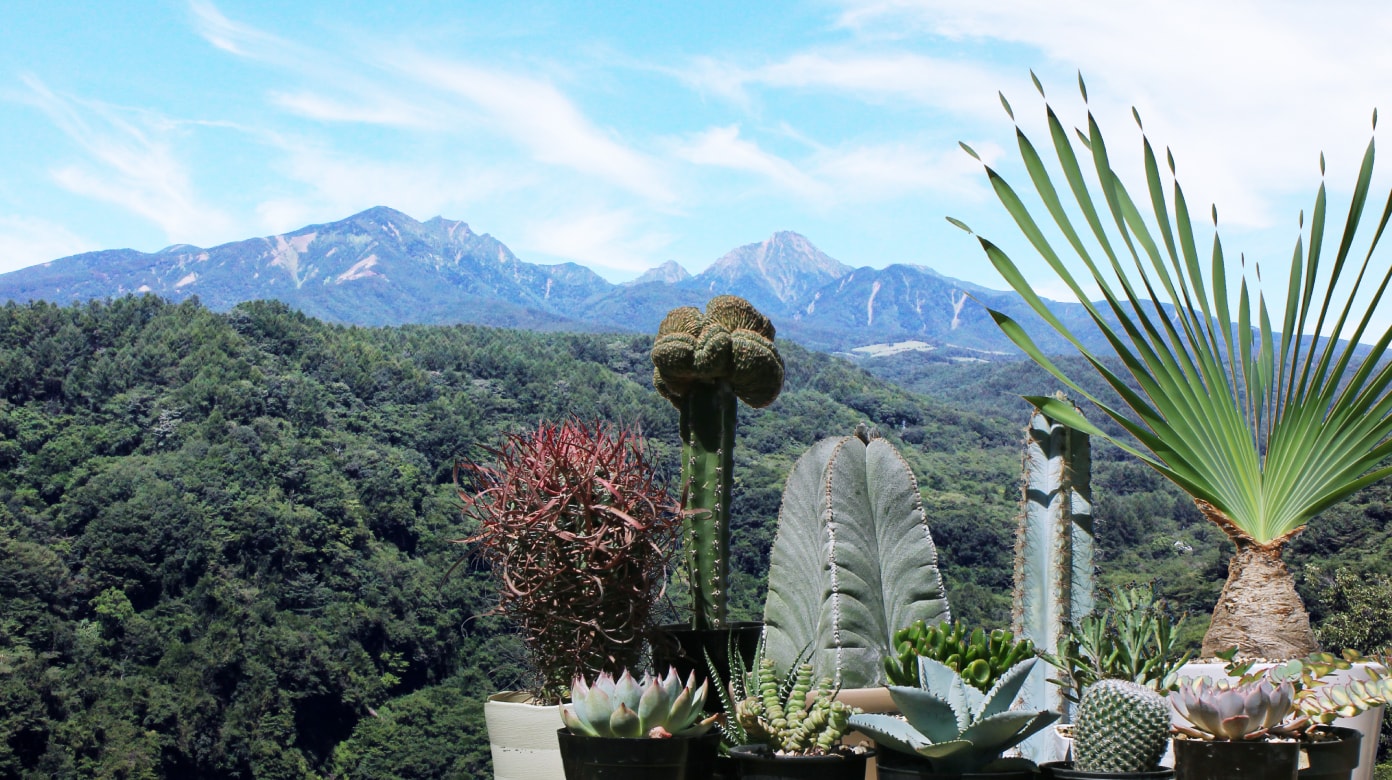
x,y
1122,727
702,363
852,561
1053,546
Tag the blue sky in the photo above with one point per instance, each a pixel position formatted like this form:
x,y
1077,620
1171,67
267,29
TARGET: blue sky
x,y
622,135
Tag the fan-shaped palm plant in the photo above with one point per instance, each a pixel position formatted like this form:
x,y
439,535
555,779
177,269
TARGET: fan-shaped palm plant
x,y
1263,427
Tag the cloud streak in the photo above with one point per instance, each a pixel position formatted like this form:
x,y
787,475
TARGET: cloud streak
x,y
25,241
131,162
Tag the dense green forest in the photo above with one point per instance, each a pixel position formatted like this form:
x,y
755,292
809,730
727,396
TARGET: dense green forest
x,y
224,537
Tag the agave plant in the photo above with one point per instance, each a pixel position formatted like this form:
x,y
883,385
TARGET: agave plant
x,y
950,725
1228,710
1264,417
625,707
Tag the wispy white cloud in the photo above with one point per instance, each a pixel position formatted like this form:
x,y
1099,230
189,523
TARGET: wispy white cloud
x,y
130,162
25,241
613,240
399,87
331,184
723,147
237,38
1246,93
888,171
959,86
546,123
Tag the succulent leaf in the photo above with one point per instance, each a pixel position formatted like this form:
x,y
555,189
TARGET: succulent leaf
x,y
951,723
628,708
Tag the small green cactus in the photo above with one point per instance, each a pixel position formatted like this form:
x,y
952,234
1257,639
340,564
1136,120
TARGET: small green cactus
x,y
790,714
1122,727
980,658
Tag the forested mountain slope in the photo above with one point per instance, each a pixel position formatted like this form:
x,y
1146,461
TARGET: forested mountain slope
x,y
223,536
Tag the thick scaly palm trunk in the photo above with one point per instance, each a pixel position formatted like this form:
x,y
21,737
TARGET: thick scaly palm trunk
x,y
1259,611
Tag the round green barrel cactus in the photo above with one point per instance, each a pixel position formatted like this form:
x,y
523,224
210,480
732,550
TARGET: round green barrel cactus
x,y
1122,727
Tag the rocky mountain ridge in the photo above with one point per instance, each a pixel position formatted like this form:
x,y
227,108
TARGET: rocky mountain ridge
x,y
382,267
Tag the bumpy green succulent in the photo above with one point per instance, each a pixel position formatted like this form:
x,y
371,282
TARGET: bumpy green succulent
x,y
1122,727
1227,710
980,658
779,715
628,708
1320,699
732,341
952,726
702,363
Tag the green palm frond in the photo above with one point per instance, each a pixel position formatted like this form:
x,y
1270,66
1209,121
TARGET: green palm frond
x,y
1268,426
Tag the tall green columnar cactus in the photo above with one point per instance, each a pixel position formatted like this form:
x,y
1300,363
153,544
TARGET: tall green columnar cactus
x,y
1053,544
852,561
702,363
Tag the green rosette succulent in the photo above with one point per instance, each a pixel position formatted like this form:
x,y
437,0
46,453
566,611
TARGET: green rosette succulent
x,y
625,707
1226,710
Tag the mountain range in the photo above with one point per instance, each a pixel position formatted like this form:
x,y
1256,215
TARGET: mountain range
x,y
382,267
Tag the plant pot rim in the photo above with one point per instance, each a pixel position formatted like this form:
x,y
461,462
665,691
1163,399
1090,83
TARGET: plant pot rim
x,y
708,735
1159,773
765,753
518,697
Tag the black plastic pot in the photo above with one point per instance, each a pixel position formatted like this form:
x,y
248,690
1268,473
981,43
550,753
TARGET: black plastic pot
x,y
683,648
1197,759
612,758
1332,759
897,766
1063,770
757,762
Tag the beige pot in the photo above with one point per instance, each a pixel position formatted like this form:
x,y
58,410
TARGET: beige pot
x,y
522,737
868,700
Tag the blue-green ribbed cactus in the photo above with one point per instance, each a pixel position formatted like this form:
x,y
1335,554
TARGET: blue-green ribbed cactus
x,y
852,561
702,363
1053,544
1122,727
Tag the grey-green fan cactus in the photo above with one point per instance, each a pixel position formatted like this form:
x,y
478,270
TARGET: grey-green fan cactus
x,y
952,726
1122,727
624,707
852,560
702,363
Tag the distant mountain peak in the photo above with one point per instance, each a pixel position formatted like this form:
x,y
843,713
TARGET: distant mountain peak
x,y
382,214
382,267
785,267
670,272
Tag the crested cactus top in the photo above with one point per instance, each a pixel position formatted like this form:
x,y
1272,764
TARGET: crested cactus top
x,y
731,341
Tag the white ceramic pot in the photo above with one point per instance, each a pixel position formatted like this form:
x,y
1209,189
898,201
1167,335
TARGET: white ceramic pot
x,y
522,737
1367,723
